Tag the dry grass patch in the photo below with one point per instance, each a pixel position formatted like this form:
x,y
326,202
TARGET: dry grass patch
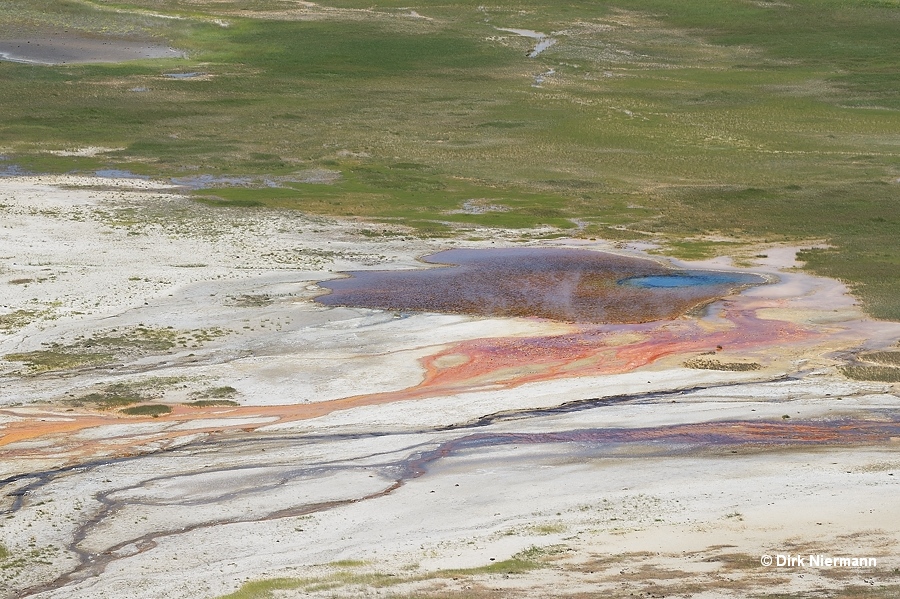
x,y
214,396
349,576
708,364
251,300
118,395
108,346
882,374
18,319
885,358
737,561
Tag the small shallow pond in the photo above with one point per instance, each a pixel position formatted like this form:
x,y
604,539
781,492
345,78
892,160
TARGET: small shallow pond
x,y
559,284
72,48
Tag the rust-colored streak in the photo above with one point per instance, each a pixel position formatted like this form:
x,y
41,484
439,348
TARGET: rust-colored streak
x,y
467,366
25,430
591,351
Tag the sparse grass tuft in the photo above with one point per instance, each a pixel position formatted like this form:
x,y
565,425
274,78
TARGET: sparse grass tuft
x,y
210,403
348,563
547,529
223,392
110,399
696,249
214,396
265,589
532,558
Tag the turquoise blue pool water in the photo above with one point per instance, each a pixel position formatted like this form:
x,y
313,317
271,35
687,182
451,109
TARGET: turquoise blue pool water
x,y
690,279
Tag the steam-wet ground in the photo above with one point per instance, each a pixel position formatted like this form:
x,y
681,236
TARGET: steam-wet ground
x,y
306,441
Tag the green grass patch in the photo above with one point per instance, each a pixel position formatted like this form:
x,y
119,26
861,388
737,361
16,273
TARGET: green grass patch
x,y
153,410
48,360
426,200
376,52
4,552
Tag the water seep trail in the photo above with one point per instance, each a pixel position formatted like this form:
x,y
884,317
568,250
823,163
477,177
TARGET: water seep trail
x,y
543,41
92,564
42,478
415,465
418,457
580,405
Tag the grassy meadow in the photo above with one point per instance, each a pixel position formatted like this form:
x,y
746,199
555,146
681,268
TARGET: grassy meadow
x,y
703,123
